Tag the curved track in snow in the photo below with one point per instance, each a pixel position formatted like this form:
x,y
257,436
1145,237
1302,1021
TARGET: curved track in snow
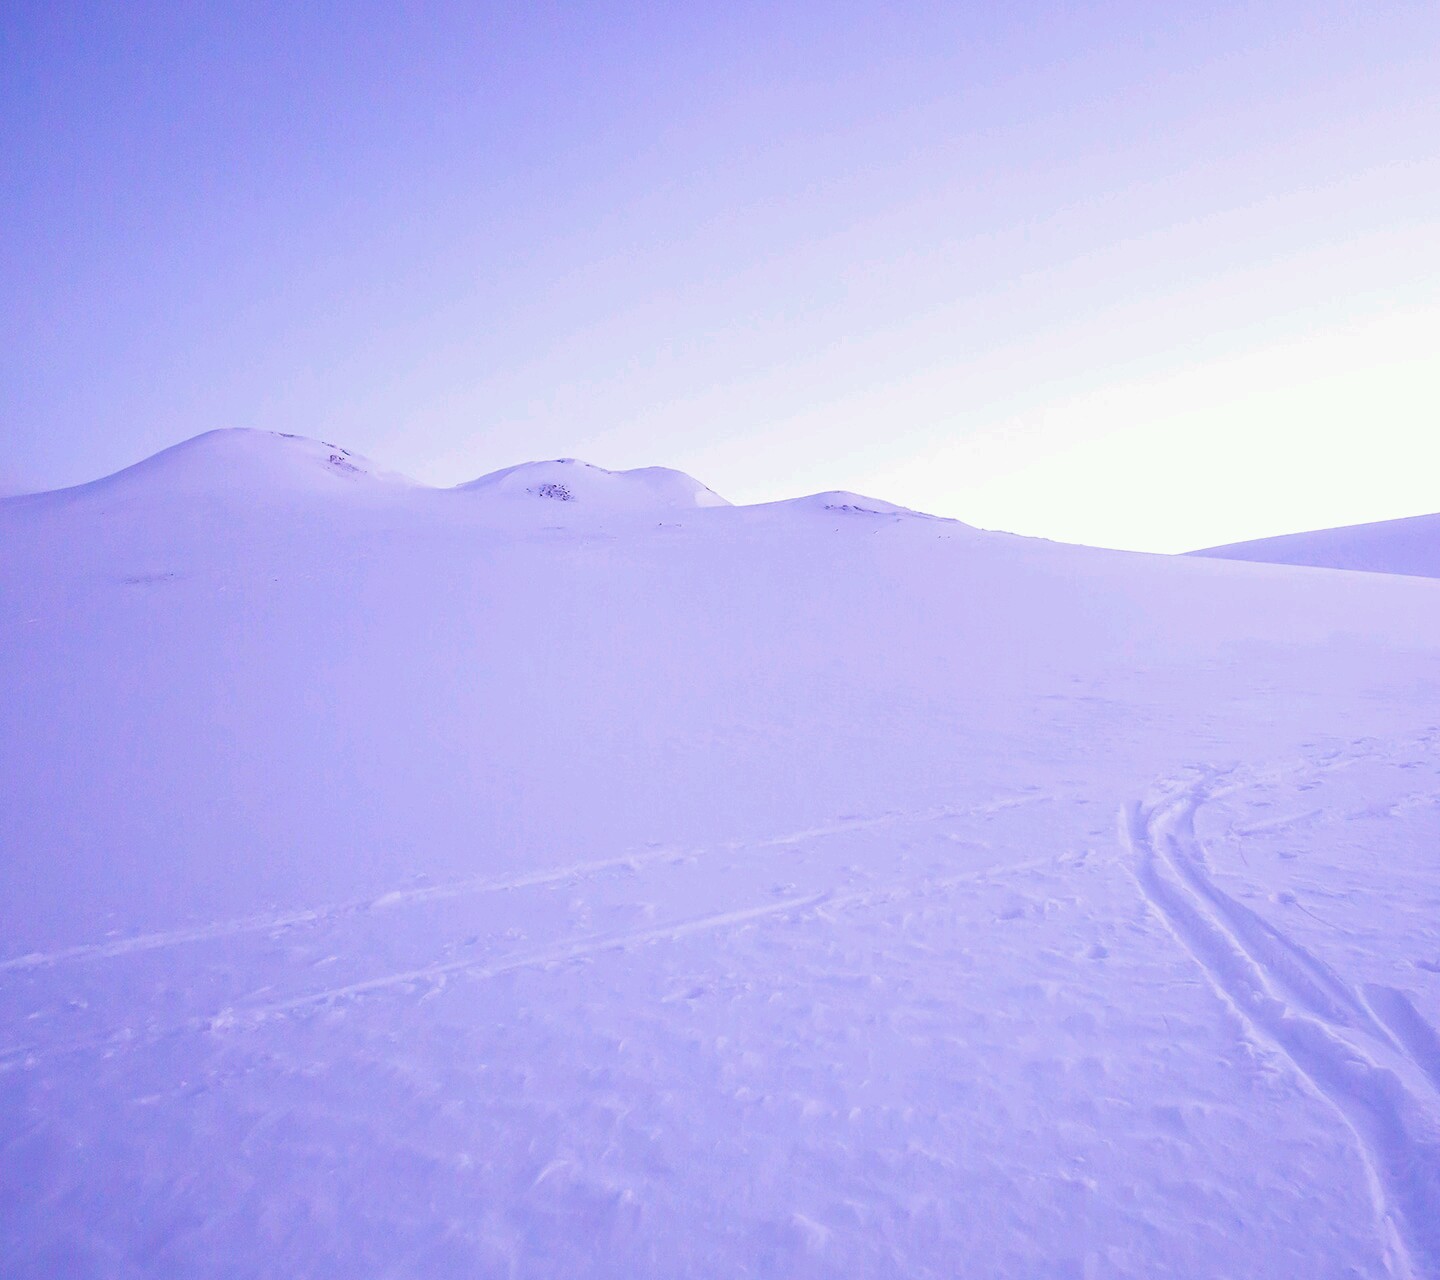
x,y
1368,1051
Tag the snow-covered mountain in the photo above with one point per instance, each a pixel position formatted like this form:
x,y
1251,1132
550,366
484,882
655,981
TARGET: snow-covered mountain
x,y
617,882
1409,546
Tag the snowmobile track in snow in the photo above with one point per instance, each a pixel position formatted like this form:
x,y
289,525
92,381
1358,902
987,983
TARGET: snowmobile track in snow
x,y
1368,1053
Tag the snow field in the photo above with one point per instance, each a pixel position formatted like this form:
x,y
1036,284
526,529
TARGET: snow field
x,y
441,883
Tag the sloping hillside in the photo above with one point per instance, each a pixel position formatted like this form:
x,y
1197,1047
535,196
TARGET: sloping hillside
x,y
1410,546
401,881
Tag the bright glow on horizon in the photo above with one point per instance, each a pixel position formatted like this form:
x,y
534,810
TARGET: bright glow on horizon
x,y
1121,277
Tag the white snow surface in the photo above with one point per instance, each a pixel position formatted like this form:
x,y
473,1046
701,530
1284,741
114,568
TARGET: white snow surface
x,y
468,883
1409,546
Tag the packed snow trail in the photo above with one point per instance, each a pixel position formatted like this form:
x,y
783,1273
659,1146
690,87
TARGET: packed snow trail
x,y
1382,1085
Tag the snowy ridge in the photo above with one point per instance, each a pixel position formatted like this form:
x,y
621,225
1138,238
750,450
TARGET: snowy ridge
x,y
245,462
1410,546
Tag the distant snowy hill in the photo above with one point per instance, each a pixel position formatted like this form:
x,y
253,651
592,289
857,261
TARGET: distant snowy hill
x,y
568,480
238,460
613,882
1410,546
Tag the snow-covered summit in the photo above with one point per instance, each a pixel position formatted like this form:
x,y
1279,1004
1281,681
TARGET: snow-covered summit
x,y
571,481
1410,546
241,461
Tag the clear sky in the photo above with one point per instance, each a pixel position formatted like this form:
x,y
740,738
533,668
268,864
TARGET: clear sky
x,y
1134,274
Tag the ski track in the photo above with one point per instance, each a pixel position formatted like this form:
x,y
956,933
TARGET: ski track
x,y
802,904
417,895
435,975
1369,1053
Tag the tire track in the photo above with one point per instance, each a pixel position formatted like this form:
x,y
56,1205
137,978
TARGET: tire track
x,y
1290,1000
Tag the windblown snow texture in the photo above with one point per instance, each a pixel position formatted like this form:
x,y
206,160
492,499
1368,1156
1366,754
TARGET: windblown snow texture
x,y
570,874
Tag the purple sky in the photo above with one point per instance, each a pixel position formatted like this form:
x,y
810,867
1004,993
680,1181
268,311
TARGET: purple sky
x,y
1135,274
